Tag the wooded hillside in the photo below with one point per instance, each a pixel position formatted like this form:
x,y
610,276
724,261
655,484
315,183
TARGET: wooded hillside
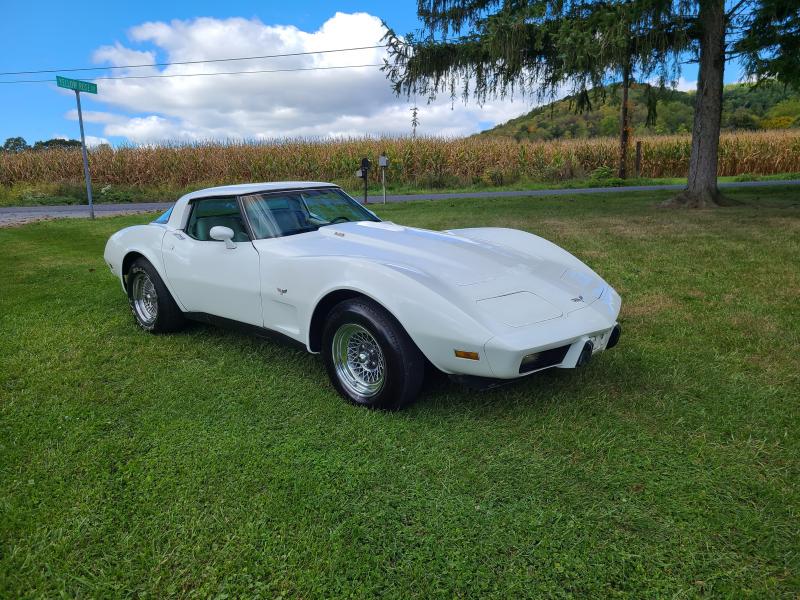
x,y
745,107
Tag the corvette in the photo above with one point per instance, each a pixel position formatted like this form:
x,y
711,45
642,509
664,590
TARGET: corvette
x,y
379,301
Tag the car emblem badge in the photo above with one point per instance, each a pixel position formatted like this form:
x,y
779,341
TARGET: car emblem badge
x,y
578,299
282,291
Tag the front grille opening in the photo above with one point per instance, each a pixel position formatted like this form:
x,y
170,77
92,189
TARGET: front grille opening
x,y
543,359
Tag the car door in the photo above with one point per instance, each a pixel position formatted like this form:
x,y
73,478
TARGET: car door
x,y
205,275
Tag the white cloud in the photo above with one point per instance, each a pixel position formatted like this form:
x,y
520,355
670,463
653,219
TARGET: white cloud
x,y
94,116
685,85
682,84
331,103
120,55
91,140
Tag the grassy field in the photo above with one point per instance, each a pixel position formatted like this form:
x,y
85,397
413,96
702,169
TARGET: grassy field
x,y
208,462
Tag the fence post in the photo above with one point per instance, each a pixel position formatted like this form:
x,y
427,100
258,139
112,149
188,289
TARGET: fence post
x,y
638,159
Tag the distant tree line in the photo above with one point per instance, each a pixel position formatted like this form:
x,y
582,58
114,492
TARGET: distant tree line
x,y
18,144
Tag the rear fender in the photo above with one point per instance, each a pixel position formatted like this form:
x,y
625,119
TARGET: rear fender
x,y
145,240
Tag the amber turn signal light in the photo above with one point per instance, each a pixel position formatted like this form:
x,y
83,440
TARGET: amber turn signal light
x,y
467,355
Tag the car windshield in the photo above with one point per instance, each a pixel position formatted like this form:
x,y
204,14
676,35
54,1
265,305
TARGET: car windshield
x,y
277,214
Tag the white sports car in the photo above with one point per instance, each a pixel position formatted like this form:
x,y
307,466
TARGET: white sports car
x,y
378,300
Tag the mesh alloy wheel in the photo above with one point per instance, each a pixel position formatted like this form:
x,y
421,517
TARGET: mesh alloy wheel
x,y
145,298
358,360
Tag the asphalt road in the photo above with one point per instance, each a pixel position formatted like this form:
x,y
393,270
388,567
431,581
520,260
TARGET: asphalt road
x,y
15,215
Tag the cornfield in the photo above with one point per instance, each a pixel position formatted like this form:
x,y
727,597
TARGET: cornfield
x,y
428,162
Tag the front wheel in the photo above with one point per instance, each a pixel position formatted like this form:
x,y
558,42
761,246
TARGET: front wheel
x,y
369,357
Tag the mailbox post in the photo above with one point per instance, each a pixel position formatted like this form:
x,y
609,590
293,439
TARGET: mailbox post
x,y
383,163
363,172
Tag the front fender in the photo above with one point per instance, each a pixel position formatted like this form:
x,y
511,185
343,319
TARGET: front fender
x,y
435,320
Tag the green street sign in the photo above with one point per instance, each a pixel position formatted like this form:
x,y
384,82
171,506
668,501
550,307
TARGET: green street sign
x,y
81,86
76,84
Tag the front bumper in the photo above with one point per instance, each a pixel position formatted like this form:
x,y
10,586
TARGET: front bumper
x,y
565,342
512,358
560,342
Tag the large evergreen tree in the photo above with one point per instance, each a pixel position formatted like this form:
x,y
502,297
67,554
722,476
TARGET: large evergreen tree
x,y
483,48
770,46
766,34
701,186
538,49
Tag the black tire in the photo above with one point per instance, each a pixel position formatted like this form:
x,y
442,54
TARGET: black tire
x,y
168,317
403,364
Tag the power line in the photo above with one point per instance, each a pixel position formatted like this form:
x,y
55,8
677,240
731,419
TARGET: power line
x,y
190,62
205,74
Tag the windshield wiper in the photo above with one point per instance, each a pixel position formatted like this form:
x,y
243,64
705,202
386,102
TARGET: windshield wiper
x,y
300,230
336,221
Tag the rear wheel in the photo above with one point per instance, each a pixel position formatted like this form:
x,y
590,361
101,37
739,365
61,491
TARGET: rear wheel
x,y
152,305
369,357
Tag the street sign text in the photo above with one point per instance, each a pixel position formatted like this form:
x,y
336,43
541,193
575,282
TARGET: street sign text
x,y
76,84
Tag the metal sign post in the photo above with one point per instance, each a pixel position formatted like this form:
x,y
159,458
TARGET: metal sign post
x,y
86,173
81,86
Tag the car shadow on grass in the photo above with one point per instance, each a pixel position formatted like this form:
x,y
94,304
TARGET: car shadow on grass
x,y
442,394
439,394
613,379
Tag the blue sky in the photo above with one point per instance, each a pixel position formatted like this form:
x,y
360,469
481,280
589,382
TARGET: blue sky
x,y
51,34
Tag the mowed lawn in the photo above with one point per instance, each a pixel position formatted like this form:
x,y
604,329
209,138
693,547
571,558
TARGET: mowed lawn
x,y
209,462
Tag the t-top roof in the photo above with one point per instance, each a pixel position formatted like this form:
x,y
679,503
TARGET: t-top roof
x,y
243,189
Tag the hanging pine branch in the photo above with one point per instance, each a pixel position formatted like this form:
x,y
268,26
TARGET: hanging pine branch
x,y
536,50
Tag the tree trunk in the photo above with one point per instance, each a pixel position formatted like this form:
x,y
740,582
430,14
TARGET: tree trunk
x,y
701,189
625,126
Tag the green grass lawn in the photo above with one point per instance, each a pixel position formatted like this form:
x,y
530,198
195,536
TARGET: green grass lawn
x,y
208,462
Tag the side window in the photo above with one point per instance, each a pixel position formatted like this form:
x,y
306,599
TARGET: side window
x,y
210,212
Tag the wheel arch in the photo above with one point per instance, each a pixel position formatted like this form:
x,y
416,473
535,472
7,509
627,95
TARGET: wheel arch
x,y
131,255
327,302
323,309
128,260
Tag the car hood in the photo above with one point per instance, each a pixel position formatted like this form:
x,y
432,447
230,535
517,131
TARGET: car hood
x,y
519,287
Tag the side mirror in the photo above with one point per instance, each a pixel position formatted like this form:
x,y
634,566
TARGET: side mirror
x,y
222,234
